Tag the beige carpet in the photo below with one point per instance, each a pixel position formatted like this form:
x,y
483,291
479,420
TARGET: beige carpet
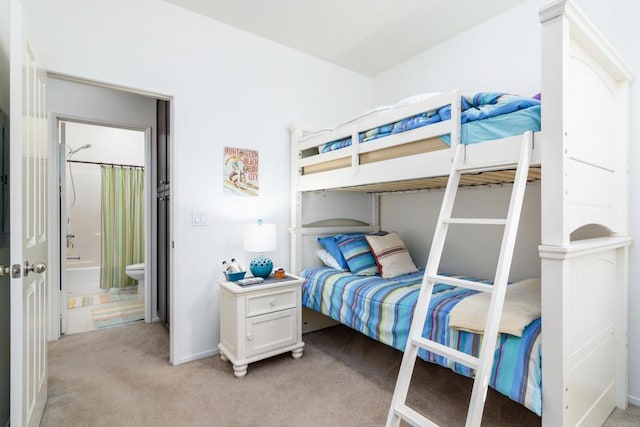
x,y
121,377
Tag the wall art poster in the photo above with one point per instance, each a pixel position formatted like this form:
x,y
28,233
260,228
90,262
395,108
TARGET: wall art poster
x,y
240,171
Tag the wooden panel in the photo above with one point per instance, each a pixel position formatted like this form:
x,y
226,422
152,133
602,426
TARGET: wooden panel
x,y
404,150
590,196
590,317
591,295
314,321
417,147
485,178
270,301
343,162
271,331
591,123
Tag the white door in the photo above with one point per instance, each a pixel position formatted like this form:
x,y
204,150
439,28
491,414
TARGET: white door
x,y
28,214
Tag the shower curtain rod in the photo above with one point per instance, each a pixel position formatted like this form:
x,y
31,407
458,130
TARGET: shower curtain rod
x,y
105,164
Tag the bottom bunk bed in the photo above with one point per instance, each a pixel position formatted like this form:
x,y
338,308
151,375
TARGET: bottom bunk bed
x,y
383,309
580,314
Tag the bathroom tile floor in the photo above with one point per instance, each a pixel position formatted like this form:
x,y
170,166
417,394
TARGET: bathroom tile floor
x,y
82,318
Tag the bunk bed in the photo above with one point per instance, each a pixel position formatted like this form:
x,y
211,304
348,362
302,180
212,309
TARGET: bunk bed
x,y
580,157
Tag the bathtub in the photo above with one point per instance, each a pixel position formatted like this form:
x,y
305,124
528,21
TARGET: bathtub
x,y
82,279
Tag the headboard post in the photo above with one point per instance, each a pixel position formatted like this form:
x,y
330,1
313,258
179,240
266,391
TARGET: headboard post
x,y
296,202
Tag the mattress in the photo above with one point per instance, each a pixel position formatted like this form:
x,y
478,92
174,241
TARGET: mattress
x,y
485,116
383,309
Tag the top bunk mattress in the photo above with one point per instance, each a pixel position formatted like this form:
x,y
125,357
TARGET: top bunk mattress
x,y
407,146
485,116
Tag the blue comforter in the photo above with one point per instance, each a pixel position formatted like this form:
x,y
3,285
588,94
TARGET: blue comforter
x,y
500,115
383,309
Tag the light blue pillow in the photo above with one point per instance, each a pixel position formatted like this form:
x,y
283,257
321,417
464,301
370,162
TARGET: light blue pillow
x,y
357,254
330,243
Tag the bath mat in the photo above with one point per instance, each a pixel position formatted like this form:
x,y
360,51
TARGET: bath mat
x,y
123,294
117,314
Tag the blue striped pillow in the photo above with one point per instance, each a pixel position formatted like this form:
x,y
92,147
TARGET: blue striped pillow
x,y
357,254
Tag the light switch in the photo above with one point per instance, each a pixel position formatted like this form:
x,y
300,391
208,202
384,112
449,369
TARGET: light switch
x,y
199,219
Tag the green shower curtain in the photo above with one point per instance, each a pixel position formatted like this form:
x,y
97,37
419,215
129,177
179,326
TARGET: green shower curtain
x,y
122,224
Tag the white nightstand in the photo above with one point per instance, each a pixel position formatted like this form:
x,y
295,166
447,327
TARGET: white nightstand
x,y
260,321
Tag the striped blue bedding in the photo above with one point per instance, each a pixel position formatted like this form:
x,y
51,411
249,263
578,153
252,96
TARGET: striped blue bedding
x,y
485,116
383,308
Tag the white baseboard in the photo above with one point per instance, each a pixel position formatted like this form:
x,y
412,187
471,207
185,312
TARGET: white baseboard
x,y
634,400
197,356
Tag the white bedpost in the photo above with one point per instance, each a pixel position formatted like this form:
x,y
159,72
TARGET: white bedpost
x,y
456,115
553,271
622,130
296,201
621,327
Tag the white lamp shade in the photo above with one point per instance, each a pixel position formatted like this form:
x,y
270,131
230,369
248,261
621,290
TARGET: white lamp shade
x,y
259,237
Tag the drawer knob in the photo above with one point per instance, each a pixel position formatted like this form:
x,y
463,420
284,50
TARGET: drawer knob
x,y
273,302
250,337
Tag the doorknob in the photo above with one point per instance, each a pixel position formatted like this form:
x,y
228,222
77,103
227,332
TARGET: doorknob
x,y
38,267
4,269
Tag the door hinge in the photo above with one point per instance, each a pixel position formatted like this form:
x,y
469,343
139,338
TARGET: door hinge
x,y
62,301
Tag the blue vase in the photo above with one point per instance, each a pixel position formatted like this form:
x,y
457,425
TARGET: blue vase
x,y
261,266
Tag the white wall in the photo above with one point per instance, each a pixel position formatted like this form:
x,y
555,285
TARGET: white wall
x,y
503,54
4,54
228,88
484,58
414,217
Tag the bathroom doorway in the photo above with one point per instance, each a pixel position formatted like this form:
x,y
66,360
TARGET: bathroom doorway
x,y
102,221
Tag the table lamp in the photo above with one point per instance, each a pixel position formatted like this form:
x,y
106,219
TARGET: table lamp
x,y
261,238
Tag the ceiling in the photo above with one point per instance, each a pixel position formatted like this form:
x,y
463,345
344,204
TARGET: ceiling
x,y
366,36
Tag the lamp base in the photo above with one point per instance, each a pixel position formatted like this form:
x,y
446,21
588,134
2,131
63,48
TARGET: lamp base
x,y
261,266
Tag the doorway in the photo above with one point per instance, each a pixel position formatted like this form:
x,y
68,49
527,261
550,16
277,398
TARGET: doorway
x,y
102,225
89,103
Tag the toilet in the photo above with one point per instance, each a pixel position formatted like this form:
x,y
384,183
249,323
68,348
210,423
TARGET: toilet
x,y
136,272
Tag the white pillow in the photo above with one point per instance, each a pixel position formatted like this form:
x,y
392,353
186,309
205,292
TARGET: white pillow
x,y
391,255
369,113
313,134
328,259
415,98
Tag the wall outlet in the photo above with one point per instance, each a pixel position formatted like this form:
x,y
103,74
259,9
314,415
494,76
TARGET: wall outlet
x,y
199,219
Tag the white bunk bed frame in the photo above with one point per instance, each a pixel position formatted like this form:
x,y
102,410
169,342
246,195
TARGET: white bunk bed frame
x,y
582,152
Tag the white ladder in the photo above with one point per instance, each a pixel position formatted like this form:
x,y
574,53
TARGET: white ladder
x,y
483,363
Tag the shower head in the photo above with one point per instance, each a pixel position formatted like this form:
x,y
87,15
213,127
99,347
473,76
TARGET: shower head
x,y
72,151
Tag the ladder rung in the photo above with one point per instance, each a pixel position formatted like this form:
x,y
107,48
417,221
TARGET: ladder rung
x,y
448,352
485,167
462,283
476,221
412,417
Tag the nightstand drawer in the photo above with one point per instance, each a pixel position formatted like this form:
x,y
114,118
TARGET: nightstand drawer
x,y
270,302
